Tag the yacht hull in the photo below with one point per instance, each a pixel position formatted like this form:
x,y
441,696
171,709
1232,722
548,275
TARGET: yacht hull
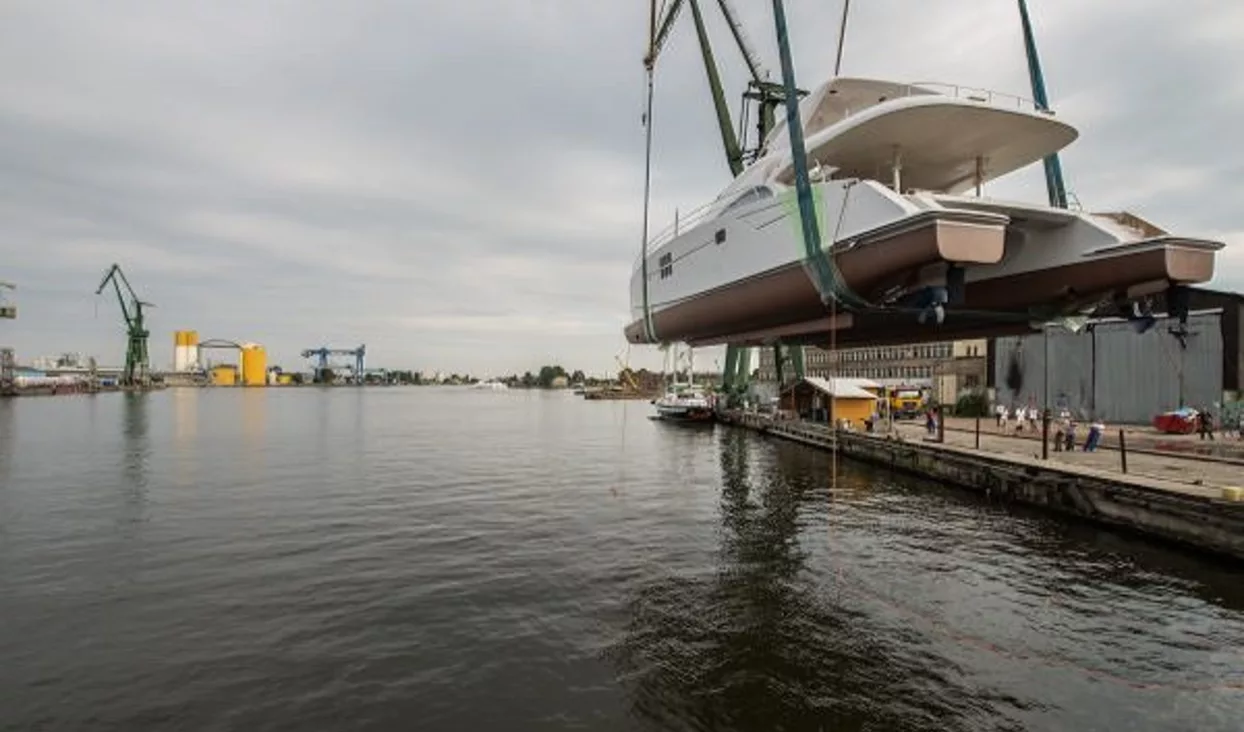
x,y
1123,272
891,256
697,415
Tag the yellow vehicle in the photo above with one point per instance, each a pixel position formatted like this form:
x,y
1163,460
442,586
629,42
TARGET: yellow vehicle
x,y
906,402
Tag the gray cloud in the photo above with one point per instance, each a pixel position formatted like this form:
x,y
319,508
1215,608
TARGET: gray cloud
x,y
459,184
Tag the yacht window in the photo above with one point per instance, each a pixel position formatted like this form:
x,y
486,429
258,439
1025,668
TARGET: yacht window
x,y
667,265
749,196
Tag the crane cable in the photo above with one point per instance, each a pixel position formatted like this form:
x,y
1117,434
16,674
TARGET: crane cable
x,y
649,65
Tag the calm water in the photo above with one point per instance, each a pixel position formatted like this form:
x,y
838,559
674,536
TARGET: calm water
x,y
446,559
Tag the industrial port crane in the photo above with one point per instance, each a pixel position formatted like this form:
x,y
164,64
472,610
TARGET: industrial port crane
x,y
322,353
137,364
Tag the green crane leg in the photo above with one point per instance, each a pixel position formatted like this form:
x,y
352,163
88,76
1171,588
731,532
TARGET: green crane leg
x,y
742,376
728,373
796,358
777,364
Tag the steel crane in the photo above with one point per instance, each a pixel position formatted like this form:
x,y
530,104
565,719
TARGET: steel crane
x,y
322,353
137,364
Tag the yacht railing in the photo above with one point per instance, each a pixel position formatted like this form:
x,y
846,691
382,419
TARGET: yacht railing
x,y
918,88
681,222
976,94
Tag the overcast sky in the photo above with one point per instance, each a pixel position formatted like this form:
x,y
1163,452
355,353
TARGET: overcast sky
x,y
459,185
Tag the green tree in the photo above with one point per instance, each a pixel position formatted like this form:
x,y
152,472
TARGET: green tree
x,y
578,377
973,404
548,373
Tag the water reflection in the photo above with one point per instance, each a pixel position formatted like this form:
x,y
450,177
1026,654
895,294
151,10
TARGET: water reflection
x,y
136,453
757,646
8,436
185,415
136,456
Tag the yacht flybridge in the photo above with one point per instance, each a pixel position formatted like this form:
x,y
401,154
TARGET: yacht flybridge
x,y
917,252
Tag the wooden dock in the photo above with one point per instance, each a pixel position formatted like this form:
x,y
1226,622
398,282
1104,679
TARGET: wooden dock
x,y
1180,499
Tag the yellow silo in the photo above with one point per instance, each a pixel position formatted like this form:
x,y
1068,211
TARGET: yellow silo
x,y
225,375
254,365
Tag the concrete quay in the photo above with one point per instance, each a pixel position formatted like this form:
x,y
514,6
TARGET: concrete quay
x,y
1184,500
1227,447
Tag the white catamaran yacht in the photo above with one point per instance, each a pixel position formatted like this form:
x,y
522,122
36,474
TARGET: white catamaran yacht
x,y
896,172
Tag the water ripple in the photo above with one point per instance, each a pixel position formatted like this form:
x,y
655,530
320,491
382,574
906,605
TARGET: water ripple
x,y
447,559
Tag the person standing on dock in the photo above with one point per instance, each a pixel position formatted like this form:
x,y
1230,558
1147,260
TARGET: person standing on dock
x,y
1096,429
1205,424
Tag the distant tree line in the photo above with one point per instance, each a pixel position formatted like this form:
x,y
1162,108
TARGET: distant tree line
x,y
555,376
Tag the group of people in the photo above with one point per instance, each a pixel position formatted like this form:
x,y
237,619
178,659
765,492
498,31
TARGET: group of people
x,y
1021,415
1064,437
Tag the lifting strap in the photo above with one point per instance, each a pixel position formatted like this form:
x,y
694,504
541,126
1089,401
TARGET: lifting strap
x,y
817,262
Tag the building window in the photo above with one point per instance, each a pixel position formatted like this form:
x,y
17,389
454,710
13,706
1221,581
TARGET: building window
x,y
667,265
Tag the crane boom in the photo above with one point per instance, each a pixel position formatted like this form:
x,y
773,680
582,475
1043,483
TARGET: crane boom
x,y
115,276
657,40
759,73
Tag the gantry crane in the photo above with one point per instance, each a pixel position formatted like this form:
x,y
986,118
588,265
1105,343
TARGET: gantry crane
x,y
322,353
137,364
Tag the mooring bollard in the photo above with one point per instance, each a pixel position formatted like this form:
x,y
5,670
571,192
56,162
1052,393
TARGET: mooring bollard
x,y
1123,451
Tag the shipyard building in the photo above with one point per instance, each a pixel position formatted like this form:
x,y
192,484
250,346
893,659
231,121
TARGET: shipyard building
x,y
947,369
1110,371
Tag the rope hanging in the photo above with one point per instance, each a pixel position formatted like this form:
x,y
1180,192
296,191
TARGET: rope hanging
x,y
649,328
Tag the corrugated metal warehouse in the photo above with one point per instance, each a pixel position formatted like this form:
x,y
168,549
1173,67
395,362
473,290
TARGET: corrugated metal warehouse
x,y
1114,373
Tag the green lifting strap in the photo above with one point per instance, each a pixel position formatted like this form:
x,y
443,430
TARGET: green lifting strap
x,y
825,274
